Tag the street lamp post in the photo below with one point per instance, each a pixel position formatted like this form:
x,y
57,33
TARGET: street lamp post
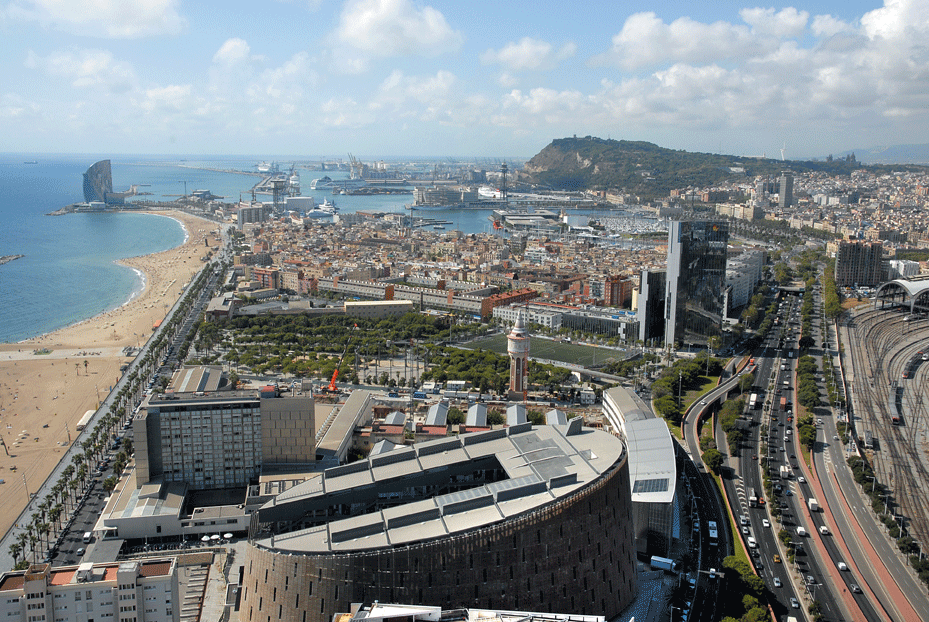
x,y
672,612
811,588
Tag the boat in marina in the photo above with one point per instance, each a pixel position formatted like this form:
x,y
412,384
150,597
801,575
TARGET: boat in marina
x,y
325,209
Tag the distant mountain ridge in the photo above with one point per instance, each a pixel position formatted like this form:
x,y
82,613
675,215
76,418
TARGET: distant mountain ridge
x,y
892,154
650,171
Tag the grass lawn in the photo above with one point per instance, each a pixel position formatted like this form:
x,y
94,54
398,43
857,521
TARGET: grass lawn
x,y
709,383
675,429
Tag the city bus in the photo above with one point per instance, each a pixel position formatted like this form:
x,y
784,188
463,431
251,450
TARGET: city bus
x,y
753,401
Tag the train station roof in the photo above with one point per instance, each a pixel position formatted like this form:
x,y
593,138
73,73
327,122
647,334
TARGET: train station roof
x,y
913,286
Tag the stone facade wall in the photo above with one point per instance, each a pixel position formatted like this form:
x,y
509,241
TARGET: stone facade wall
x,y
575,555
287,430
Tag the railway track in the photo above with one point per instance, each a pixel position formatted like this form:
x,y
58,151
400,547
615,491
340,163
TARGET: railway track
x,y
883,347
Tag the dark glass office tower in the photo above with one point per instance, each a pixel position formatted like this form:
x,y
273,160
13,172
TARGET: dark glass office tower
x,y
651,310
696,282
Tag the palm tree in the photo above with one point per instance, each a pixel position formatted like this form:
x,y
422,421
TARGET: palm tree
x,y
22,539
44,529
15,550
33,540
54,515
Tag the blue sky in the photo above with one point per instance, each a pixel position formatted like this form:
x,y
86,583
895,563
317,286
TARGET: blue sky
x,y
474,78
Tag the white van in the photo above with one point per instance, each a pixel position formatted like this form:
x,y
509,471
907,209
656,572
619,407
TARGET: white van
x,y
751,542
88,536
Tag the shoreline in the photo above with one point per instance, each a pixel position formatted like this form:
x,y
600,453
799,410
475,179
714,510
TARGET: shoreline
x,y
134,294
47,382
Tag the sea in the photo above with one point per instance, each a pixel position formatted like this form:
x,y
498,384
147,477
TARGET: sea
x,y
68,272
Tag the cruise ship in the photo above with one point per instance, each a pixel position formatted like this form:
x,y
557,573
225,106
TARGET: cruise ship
x,y
322,182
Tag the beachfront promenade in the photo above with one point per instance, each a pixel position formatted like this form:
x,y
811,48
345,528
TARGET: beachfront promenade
x,y
45,489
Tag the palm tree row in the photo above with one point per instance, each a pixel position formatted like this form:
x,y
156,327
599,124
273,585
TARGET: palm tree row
x,y
47,523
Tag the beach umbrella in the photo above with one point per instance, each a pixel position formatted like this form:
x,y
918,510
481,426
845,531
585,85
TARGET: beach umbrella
x,y
205,539
227,536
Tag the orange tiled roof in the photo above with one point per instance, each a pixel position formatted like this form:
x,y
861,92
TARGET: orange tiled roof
x,y
155,569
61,577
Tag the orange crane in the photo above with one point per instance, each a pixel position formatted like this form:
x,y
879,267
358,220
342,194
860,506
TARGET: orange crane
x,y
335,375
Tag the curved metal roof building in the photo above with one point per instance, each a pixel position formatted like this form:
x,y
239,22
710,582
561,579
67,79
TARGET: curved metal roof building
x,y
912,292
515,518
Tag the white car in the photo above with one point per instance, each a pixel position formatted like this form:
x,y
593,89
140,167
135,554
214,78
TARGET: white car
x,y
777,582
801,479
765,523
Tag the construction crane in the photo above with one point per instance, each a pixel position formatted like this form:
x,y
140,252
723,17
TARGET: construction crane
x,y
335,375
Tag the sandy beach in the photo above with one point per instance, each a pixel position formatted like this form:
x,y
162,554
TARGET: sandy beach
x,y
44,395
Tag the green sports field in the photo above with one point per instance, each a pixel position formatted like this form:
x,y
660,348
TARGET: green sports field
x,y
553,350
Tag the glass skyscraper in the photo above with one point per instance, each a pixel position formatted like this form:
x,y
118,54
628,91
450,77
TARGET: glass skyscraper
x,y
695,303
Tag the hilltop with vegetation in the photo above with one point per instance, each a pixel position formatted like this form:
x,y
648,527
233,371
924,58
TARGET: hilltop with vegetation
x,y
645,169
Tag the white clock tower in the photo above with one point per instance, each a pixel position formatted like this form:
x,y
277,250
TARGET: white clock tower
x,y
517,346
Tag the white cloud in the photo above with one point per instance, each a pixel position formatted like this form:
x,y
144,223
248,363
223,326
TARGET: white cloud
x,y
345,112
171,99
829,26
87,68
234,68
529,53
897,20
788,22
286,84
381,28
507,80
103,18
398,89
232,51
645,40
765,72
13,106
